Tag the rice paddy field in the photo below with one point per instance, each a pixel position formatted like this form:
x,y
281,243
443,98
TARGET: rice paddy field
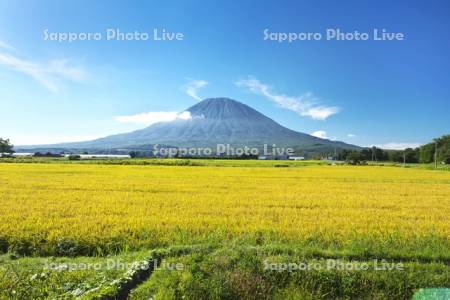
x,y
236,229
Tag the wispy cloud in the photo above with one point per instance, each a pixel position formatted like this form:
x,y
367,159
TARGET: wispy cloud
x,y
192,87
152,117
50,74
320,134
351,135
397,146
304,105
6,46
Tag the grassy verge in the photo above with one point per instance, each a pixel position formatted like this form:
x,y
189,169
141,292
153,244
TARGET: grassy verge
x,y
217,272
63,277
81,277
254,273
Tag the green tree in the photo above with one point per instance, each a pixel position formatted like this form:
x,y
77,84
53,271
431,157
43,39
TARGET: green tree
x,y
443,151
426,153
355,158
366,153
342,155
383,155
396,155
6,146
411,155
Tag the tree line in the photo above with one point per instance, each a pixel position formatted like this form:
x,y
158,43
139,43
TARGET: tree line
x,y
423,154
439,148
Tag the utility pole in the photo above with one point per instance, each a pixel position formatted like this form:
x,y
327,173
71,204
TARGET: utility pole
x,y
435,154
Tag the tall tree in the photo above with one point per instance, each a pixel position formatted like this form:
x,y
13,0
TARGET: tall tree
x,y
427,153
443,150
6,146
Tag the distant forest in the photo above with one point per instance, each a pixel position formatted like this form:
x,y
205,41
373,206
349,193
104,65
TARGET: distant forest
x,y
422,154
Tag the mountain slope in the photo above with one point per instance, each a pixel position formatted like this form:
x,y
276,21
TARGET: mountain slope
x,y
216,121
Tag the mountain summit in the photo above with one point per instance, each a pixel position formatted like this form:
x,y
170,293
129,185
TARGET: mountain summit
x,y
224,108
216,121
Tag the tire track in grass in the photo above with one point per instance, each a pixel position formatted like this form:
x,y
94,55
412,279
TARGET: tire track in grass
x,y
142,271
138,276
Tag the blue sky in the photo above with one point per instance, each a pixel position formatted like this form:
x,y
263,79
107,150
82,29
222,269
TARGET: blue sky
x,y
389,93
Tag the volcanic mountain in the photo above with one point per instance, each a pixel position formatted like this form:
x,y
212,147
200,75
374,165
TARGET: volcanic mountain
x,y
215,121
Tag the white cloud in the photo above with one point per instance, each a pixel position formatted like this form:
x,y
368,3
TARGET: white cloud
x,y
304,105
153,117
350,135
192,87
6,46
49,74
320,134
396,146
